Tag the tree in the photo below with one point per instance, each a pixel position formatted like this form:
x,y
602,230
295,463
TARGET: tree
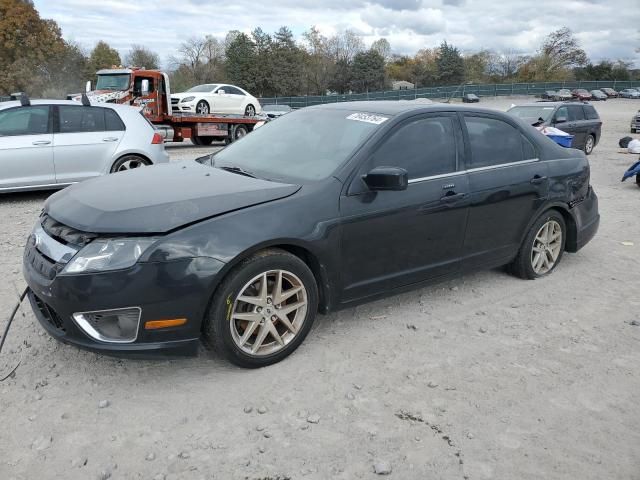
x,y
426,67
199,60
29,48
450,65
319,66
402,67
287,64
476,66
241,63
559,54
383,47
367,71
263,48
505,65
102,56
140,56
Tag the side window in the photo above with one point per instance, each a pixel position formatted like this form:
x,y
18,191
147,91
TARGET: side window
x,y
528,149
423,147
591,113
113,123
78,119
493,142
233,91
562,112
32,120
576,113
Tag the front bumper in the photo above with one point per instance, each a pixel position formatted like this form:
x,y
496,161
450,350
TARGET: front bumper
x,y
162,290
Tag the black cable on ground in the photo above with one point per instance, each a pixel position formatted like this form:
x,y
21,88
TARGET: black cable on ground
x,y
6,330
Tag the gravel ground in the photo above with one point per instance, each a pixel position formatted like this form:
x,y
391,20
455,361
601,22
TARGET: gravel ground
x,y
483,377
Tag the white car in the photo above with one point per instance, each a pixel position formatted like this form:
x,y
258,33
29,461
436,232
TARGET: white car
x,y
216,98
49,144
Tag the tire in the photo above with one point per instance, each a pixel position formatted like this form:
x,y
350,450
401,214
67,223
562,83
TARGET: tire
x,y
196,140
250,111
589,144
205,140
202,107
129,162
239,131
229,319
526,264
638,179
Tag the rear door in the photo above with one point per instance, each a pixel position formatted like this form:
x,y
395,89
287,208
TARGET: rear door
x,y
396,238
507,183
26,154
578,124
238,98
83,147
224,102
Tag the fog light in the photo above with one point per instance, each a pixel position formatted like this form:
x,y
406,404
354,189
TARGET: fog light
x,y
113,326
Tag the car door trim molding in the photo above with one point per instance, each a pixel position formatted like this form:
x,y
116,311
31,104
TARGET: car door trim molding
x,y
472,170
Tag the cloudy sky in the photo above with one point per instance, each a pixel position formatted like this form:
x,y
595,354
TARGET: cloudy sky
x,y
606,28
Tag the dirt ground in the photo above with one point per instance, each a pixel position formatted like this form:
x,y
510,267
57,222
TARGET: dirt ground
x,y
484,377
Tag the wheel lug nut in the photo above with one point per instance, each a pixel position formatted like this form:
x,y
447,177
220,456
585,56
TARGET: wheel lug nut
x,y
269,300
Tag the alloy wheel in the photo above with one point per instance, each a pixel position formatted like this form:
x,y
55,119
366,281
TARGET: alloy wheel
x,y
588,148
130,164
268,313
250,111
547,246
202,108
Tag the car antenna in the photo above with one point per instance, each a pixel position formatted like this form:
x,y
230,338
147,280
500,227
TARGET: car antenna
x,y
24,100
85,100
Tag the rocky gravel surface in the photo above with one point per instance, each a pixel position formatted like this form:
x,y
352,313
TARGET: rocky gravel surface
x,y
484,377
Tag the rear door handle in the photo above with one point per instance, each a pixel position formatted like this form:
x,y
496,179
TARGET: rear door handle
x,y
42,142
110,139
537,180
453,197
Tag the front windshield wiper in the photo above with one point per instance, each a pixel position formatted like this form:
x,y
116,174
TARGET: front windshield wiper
x,y
238,170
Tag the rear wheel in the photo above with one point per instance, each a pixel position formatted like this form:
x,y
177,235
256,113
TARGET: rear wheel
x,y
263,309
239,131
129,162
202,107
542,248
250,111
589,144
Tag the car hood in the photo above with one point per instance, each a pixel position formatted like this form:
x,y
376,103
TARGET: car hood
x,y
188,94
159,199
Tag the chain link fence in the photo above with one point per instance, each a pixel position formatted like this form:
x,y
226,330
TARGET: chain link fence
x,y
454,91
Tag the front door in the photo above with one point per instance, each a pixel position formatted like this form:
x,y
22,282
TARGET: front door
x,y
396,238
83,146
507,184
26,141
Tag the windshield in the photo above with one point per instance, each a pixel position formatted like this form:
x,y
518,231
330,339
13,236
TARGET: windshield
x,y
304,145
203,88
532,112
113,82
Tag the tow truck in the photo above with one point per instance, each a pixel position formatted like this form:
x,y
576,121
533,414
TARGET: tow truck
x,y
150,89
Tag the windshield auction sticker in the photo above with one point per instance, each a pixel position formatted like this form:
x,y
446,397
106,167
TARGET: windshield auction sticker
x,y
368,117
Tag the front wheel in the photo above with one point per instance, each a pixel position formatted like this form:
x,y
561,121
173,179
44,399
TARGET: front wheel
x,y
202,107
250,111
542,248
263,309
129,162
589,144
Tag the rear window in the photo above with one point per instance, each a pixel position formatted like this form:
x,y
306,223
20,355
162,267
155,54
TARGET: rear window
x,y
494,142
591,113
575,113
75,119
113,122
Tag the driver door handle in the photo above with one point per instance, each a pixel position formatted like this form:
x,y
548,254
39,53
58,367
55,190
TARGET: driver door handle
x,y
110,139
42,142
454,197
537,180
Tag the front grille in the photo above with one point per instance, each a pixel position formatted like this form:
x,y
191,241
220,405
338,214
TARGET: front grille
x,y
49,314
40,263
174,101
64,234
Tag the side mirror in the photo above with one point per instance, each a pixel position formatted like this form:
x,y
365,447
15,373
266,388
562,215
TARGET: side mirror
x,y
87,87
144,87
387,178
561,119
221,92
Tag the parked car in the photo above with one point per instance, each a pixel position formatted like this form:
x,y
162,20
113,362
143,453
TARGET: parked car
x,y
629,93
344,203
635,123
598,95
470,98
275,111
581,94
216,98
549,95
563,94
49,144
610,92
578,119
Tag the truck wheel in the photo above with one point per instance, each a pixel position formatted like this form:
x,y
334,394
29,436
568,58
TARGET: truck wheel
x,y
250,111
129,162
205,140
239,131
202,107
195,140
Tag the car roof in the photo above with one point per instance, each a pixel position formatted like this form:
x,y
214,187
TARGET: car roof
x,y
399,107
114,106
553,104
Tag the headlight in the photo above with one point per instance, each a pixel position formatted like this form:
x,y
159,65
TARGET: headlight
x,y
112,254
187,99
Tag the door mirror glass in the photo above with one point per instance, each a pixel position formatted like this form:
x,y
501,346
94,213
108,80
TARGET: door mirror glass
x,y
561,119
221,92
387,178
87,87
144,87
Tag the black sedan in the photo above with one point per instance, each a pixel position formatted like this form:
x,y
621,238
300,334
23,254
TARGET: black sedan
x,y
470,98
328,207
598,95
549,95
